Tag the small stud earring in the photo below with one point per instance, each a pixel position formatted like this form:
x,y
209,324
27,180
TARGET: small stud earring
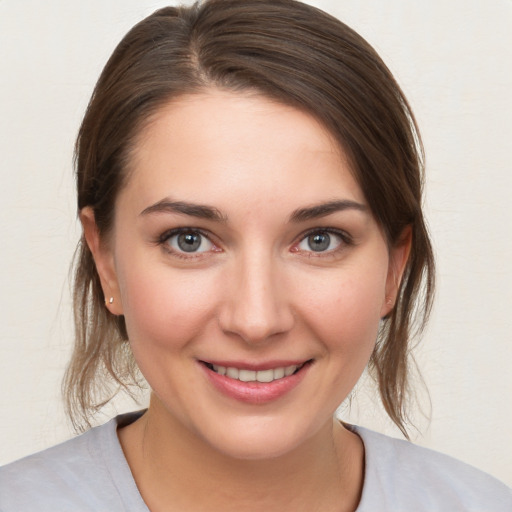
x,y
110,301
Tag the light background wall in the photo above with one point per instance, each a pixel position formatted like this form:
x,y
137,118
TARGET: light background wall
x,y
452,58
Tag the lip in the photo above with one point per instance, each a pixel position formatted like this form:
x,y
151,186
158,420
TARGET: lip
x,y
255,392
266,365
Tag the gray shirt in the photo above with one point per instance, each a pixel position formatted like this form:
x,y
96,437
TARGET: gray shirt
x,y
90,473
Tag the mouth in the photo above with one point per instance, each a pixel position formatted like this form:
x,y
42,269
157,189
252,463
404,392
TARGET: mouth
x,y
263,376
255,384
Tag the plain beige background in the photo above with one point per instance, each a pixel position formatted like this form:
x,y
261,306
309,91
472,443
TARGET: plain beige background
x,y
452,58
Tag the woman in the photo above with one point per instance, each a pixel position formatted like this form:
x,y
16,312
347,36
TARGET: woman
x,y
249,184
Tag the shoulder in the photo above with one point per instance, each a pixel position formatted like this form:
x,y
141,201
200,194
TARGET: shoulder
x,y
401,476
88,472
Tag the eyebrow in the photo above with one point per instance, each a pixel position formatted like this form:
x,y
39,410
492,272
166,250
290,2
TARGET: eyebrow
x,y
200,211
324,209
211,213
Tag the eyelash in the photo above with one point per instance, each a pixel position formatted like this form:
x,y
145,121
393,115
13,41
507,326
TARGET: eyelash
x,y
346,240
164,238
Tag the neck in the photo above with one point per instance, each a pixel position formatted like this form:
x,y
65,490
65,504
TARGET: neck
x,y
171,465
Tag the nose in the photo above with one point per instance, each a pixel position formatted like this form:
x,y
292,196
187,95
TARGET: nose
x,y
257,306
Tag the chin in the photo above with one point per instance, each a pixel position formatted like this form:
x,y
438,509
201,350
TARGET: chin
x,y
258,439
263,448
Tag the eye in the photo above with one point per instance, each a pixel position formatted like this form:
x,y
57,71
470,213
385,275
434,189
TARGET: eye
x,y
320,241
188,241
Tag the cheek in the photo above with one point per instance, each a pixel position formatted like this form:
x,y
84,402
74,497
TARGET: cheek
x,y
345,308
164,307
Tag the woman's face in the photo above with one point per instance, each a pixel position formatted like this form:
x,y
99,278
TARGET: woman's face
x,y
250,271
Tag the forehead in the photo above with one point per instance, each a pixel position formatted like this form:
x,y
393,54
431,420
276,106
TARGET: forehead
x,y
206,144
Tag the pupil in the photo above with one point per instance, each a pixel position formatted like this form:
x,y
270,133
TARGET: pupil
x,y
189,242
319,242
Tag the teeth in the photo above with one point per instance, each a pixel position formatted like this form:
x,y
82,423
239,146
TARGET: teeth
x,y
265,376
256,376
279,373
246,375
232,373
289,370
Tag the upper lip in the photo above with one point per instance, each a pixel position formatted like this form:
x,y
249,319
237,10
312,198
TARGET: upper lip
x,y
256,366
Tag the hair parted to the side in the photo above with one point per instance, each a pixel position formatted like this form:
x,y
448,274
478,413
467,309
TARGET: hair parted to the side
x,y
294,54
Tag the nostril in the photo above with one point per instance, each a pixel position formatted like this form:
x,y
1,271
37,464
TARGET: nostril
x,y
256,324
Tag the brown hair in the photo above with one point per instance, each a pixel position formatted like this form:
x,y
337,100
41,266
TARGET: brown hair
x,y
287,51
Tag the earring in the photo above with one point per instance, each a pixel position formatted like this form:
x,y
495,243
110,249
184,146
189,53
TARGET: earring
x,y
389,301
109,301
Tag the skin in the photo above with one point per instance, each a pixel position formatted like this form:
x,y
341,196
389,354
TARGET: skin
x,y
255,292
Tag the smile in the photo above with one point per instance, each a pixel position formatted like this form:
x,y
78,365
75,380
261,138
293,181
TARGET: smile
x,y
256,384
263,376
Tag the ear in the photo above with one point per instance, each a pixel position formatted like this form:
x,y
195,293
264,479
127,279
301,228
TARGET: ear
x,y
398,257
104,261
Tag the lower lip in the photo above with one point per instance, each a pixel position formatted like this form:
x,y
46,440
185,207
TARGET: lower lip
x,y
255,392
